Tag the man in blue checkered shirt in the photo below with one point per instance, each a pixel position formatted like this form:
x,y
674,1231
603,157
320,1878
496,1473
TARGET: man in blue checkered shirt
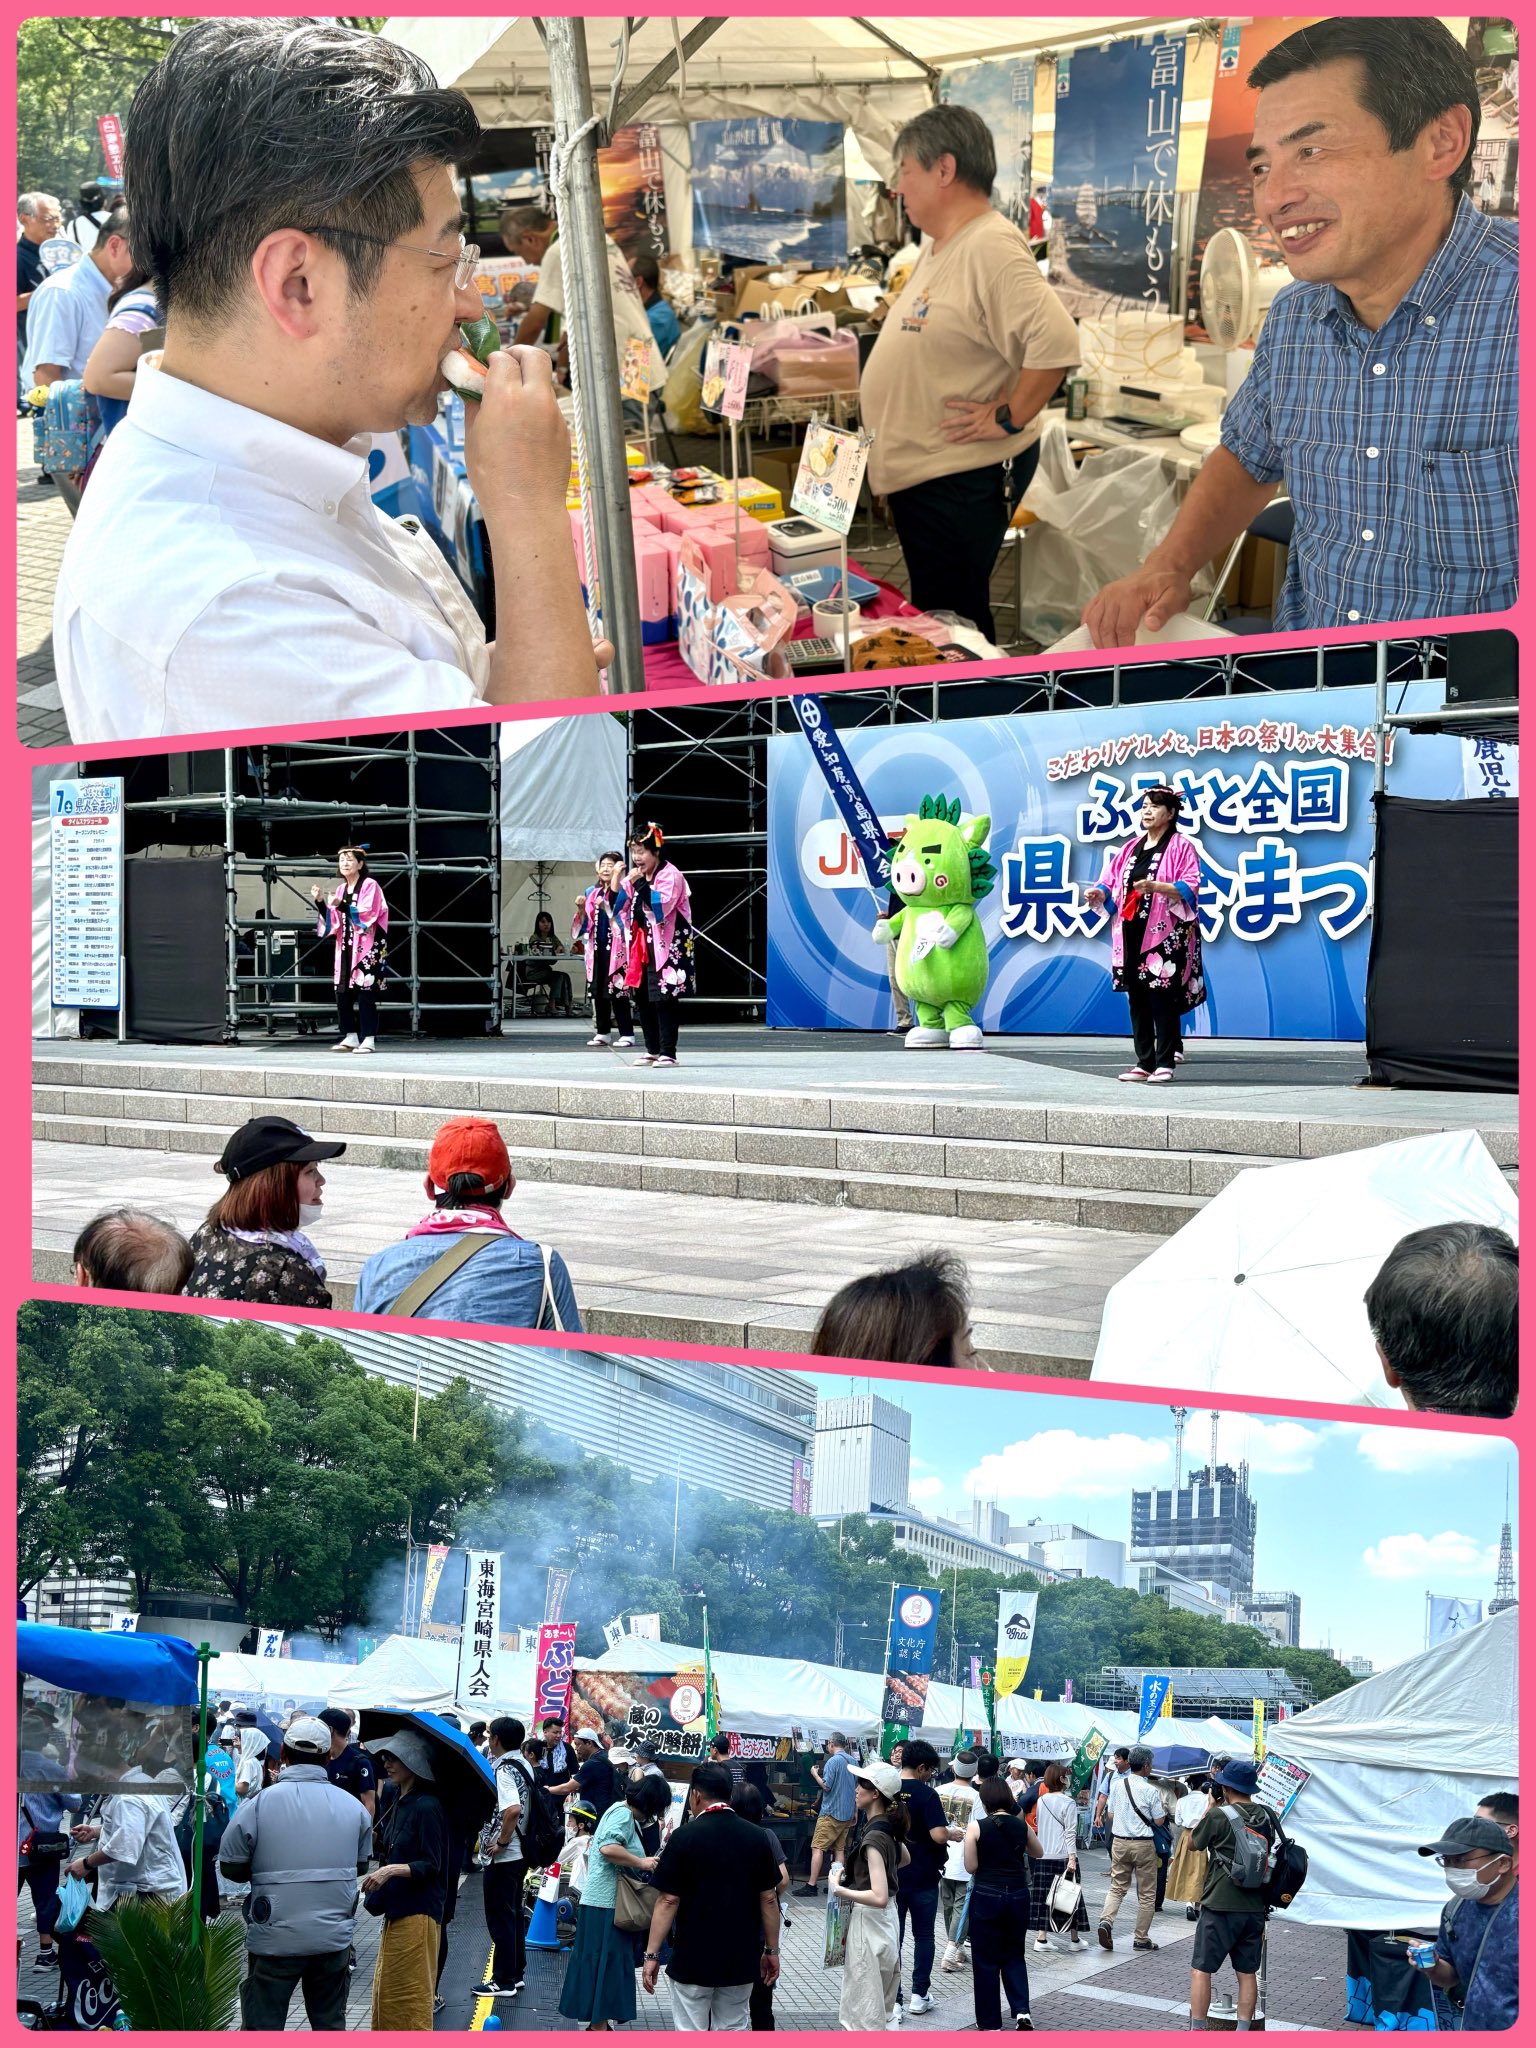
x,y
1384,383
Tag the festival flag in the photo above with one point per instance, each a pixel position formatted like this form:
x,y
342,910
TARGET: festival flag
x,y
556,1663
1258,1730
1451,1617
913,1631
1015,1639
711,1704
437,1557
1156,1686
1086,1761
480,1639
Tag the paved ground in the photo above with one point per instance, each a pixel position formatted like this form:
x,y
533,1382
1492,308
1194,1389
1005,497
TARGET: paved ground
x,y
1082,1990
780,1260
42,529
1247,1077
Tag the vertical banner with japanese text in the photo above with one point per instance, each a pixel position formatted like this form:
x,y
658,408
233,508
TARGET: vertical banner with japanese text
x,y
1113,184
437,1557
479,1645
909,1654
556,1662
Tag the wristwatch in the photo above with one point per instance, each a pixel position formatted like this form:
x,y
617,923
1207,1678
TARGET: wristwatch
x,y
770,1951
650,1956
1004,418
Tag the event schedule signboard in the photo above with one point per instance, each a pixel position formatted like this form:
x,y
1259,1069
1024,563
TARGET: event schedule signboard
x,y
85,852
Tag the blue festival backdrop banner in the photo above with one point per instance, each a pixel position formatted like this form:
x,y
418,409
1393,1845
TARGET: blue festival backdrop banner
x,y
1277,798
1002,91
1113,180
765,190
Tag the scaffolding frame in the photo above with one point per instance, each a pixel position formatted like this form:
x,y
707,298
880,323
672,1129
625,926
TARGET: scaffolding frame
x,y
251,981
723,745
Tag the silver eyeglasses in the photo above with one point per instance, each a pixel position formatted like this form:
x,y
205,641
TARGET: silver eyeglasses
x,y
465,263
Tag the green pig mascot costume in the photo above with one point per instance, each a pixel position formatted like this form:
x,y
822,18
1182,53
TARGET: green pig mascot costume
x,y
941,871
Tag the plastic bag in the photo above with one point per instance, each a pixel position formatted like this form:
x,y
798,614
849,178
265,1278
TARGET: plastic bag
x,y
808,331
683,392
1093,524
74,1903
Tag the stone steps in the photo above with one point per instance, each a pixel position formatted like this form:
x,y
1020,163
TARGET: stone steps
x,y
1133,1169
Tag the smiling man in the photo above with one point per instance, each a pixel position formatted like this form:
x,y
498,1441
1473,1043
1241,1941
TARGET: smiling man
x,y
1383,386
296,210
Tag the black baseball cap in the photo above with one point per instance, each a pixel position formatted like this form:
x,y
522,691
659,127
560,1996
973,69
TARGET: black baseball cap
x,y
1463,1836
270,1141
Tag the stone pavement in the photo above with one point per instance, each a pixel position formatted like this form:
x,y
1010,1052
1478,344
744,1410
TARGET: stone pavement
x,y
788,1258
42,527
1072,1990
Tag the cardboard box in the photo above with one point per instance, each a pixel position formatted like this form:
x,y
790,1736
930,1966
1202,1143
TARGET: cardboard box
x,y
778,466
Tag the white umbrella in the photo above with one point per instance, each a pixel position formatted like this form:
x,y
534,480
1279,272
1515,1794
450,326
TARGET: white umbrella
x,y
1263,1291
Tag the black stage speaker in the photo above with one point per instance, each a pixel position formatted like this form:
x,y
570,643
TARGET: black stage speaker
x,y
173,920
1482,668
1440,992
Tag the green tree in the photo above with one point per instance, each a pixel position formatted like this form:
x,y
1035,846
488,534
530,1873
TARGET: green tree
x,y
70,71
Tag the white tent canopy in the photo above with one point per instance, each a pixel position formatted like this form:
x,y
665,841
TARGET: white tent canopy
x,y
1393,1761
418,1675
871,74
563,787
232,1676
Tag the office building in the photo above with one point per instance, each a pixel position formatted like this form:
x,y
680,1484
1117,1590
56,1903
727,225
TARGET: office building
x,y
1205,1531
862,1457
1359,1667
1277,1614
744,1430
947,1546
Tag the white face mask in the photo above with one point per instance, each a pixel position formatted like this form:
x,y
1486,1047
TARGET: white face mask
x,y
309,1212
1470,1884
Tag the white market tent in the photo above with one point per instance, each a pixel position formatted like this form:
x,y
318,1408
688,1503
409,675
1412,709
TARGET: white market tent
x,y
418,1674
1393,1761
232,1676
564,787
771,1695
870,73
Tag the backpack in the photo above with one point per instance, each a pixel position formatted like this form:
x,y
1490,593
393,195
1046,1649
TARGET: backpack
x,y
542,1828
1254,1852
1289,1873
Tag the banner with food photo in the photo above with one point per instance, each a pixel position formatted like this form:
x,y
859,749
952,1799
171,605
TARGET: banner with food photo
x,y
667,1709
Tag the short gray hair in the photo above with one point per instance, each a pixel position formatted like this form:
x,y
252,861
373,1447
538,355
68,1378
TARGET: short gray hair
x,y
29,202
126,1250
951,131
1140,1760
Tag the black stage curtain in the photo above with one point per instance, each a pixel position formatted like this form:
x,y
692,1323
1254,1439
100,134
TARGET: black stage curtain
x,y
173,913
1440,992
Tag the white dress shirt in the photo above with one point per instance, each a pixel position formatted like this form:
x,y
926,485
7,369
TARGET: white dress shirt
x,y
226,571
65,320
139,1842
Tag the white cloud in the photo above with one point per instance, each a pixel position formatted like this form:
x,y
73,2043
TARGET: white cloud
x,y
1279,1447
1449,1555
1058,1464
926,1489
1408,1451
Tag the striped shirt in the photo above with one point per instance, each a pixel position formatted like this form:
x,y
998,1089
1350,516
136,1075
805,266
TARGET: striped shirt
x,y
1398,447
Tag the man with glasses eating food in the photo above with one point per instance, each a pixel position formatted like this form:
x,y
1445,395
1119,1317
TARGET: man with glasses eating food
x,y
297,212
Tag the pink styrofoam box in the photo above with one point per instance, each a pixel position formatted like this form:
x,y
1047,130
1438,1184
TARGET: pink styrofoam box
x,y
653,568
673,543
719,556
650,498
756,547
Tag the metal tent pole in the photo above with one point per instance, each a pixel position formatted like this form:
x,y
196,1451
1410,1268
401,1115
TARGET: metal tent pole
x,y
232,908
589,332
411,857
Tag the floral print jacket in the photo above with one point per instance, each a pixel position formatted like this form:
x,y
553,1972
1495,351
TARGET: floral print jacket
x,y
229,1268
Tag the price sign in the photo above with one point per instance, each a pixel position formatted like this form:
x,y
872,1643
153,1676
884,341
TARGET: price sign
x,y
1280,1784
85,844
831,473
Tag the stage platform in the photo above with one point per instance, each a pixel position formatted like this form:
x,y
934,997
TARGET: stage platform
x,y
837,1153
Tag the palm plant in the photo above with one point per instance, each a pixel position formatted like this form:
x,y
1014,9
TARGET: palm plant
x,y
171,1976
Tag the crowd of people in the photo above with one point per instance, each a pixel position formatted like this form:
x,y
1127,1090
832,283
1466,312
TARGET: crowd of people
x,y
305,1826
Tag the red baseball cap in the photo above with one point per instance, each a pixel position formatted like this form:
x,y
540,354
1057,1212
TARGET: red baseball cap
x,y
469,1144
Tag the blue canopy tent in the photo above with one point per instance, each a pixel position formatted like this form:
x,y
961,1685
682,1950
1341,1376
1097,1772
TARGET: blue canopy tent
x,y
161,1670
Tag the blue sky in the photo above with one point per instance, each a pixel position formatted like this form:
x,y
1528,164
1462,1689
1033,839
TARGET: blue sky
x,y
1362,1521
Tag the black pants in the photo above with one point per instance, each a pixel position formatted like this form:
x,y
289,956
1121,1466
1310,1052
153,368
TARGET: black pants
x,y
358,1010
999,1933
658,1020
760,2008
1162,1884
610,1003
42,1881
1155,1019
269,1986
951,529
504,1921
